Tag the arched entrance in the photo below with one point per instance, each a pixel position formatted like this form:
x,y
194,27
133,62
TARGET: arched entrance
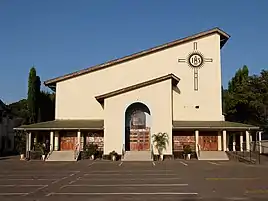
x,y
137,127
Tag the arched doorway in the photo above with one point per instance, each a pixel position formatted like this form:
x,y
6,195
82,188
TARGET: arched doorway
x,y
137,127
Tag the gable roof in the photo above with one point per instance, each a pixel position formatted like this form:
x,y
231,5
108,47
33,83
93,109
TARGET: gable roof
x,y
175,81
224,37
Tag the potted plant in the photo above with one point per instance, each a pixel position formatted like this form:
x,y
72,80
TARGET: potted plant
x,y
113,155
42,149
91,150
187,151
161,141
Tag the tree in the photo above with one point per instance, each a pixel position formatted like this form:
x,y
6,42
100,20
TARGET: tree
x,y
246,99
33,95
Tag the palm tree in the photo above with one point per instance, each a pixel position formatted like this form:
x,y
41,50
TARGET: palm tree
x,y
161,140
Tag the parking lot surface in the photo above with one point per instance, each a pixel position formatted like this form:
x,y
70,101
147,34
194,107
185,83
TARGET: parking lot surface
x,y
106,180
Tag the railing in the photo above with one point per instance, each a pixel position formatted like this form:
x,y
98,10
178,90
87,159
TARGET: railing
x,y
256,154
50,151
76,151
198,150
152,152
123,151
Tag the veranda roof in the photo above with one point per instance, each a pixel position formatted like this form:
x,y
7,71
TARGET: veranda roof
x,y
65,125
219,125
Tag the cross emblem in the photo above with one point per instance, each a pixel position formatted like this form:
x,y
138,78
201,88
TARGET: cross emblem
x,y
195,60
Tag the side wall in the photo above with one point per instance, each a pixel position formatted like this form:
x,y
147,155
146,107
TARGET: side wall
x,y
156,97
75,98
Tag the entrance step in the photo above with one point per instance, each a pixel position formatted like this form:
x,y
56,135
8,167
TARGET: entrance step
x,y
61,156
213,156
137,156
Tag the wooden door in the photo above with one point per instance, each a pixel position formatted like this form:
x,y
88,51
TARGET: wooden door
x,y
139,139
67,143
208,142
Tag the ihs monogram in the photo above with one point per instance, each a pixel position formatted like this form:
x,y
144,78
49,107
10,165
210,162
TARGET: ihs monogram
x,y
195,60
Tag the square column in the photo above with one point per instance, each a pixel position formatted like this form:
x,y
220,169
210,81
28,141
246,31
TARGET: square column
x,y
56,143
260,147
30,142
79,139
247,141
219,141
51,140
241,141
196,139
224,143
234,142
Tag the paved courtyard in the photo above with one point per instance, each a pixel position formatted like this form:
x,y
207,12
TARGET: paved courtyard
x,y
105,180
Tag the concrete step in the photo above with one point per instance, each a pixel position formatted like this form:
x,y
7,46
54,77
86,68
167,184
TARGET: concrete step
x,y
137,156
213,156
61,156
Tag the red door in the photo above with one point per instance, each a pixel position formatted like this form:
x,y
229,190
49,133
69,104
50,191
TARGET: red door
x,y
208,142
139,139
67,143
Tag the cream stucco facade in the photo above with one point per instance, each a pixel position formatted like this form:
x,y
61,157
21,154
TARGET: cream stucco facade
x,y
75,98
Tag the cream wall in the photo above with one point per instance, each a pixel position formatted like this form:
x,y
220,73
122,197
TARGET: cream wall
x,y
75,98
157,98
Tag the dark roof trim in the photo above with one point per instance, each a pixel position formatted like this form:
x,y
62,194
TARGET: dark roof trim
x,y
212,125
175,81
224,37
64,125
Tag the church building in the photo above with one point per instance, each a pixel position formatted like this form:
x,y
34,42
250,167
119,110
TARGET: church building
x,y
173,88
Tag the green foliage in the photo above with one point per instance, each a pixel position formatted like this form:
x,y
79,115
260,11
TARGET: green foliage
x,y
246,99
91,149
187,149
33,95
41,147
20,142
161,141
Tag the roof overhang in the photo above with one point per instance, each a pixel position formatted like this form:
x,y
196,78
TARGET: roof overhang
x,y
175,81
223,39
64,125
213,125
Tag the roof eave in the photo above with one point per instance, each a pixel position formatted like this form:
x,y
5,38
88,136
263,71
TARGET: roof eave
x,y
219,128
53,129
224,37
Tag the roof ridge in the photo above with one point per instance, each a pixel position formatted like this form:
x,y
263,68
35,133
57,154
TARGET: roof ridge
x,y
138,54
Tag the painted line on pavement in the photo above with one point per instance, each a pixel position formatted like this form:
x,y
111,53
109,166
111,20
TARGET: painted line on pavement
x,y
133,179
120,164
12,194
213,163
38,189
136,171
129,174
4,179
185,164
91,164
229,178
153,193
122,185
23,185
153,163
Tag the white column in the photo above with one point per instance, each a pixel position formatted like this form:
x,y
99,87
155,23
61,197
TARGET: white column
x,y
260,147
196,139
79,139
250,137
51,140
219,141
56,143
224,140
30,142
241,141
234,142
247,141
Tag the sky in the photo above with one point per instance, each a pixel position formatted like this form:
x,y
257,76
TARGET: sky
x,y
62,36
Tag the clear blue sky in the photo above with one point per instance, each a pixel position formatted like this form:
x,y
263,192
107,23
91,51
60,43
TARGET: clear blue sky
x,y
61,36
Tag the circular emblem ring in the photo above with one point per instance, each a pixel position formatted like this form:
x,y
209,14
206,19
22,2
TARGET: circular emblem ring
x,y
195,60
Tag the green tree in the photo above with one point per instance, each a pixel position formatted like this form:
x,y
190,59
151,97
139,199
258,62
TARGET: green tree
x,y
33,95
